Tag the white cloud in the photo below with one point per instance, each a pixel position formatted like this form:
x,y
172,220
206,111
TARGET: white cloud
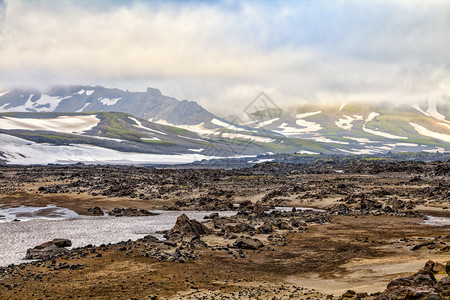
x,y
226,53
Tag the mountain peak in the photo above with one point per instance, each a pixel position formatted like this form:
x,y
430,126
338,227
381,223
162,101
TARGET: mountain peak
x,y
153,91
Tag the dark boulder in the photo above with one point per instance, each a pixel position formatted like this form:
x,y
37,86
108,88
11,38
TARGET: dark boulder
x,y
49,249
187,228
266,228
95,211
131,212
248,243
421,285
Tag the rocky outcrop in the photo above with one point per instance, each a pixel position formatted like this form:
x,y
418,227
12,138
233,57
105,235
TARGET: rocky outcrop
x,y
248,243
95,211
49,250
185,227
421,285
131,212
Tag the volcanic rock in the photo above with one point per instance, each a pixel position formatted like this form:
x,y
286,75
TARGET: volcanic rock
x,y
421,285
95,211
48,249
248,243
130,212
187,228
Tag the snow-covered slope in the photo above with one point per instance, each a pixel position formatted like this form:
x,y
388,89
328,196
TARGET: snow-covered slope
x,y
366,128
150,104
149,122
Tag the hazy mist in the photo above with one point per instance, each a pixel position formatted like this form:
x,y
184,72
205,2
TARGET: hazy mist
x,y
222,54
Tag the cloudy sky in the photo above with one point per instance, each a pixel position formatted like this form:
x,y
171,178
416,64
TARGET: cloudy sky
x,y
223,53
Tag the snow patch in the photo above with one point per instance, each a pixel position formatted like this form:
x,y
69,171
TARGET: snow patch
x,y
309,126
228,125
403,145
64,124
139,125
309,114
360,140
266,122
342,106
372,116
82,91
306,152
426,132
431,111
252,138
81,109
90,92
196,150
288,131
15,148
345,123
150,139
327,140
4,93
45,104
199,128
107,101
262,160
383,134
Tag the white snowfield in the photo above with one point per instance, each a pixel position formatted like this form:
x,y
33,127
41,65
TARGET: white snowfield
x,y
63,124
82,109
323,139
426,132
107,101
306,152
372,116
308,126
268,122
253,138
229,126
199,128
21,151
360,140
45,104
403,145
139,125
384,134
88,92
3,93
431,111
345,123
308,114
286,130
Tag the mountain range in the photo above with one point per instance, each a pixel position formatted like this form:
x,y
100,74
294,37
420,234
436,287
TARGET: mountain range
x,y
68,124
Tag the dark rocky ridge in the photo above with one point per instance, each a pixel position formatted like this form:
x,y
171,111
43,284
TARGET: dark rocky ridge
x,y
150,104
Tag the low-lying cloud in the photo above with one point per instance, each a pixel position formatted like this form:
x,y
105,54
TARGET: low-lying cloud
x,y
223,54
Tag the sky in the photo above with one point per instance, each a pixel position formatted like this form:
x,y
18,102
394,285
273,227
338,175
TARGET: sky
x,y
222,54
